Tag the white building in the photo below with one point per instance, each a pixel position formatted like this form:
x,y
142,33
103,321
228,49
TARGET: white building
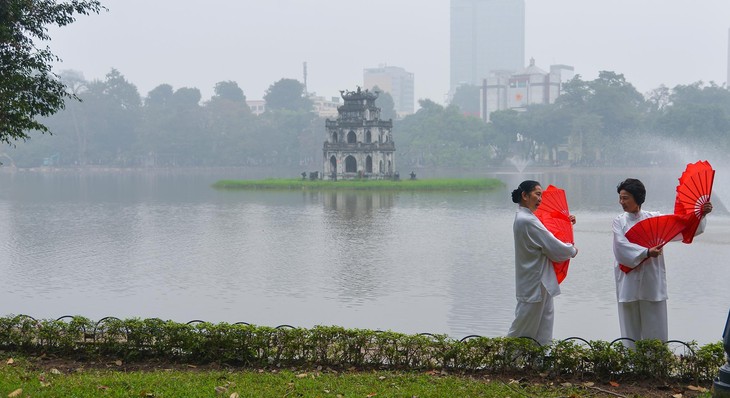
x,y
531,86
257,106
324,107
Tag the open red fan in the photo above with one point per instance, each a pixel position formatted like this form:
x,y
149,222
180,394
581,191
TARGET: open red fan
x,y
554,215
693,191
655,231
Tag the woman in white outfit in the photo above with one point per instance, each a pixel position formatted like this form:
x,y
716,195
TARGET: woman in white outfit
x,y
642,292
535,280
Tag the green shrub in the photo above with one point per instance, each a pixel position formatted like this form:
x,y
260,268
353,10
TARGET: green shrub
x,y
651,359
608,360
333,346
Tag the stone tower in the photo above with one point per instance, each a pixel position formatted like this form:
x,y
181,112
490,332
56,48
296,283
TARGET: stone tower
x,y
358,143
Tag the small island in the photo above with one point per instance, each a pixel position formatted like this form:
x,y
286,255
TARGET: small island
x,y
359,154
445,184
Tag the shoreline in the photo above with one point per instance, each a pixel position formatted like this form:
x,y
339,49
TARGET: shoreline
x,y
443,184
427,173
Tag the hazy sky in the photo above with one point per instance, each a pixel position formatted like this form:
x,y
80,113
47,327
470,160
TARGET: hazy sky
x,y
256,43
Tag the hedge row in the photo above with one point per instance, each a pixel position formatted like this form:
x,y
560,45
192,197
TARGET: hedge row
x,y
332,346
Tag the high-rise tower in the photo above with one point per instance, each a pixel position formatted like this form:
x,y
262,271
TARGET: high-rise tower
x,y
396,81
486,36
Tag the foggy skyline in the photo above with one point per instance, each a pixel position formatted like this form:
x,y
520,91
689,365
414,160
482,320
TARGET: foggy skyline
x,y
255,44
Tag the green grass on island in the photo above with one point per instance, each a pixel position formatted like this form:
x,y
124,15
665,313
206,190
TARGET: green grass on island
x,y
445,184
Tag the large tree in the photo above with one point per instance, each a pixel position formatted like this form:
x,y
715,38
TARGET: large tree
x,y
696,112
466,97
386,104
443,136
617,102
113,113
229,91
28,87
230,124
287,94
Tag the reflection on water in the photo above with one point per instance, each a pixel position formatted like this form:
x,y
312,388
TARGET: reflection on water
x,y
169,246
356,225
357,205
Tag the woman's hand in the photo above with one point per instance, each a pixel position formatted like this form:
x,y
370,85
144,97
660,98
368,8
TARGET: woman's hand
x,y
655,251
572,219
707,208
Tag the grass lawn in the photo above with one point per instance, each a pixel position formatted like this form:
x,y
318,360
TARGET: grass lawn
x,y
52,378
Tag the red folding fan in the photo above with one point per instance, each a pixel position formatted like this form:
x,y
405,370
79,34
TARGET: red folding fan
x,y
554,215
655,231
693,191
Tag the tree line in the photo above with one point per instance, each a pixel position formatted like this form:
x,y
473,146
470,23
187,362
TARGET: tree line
x,y
112,125
603,121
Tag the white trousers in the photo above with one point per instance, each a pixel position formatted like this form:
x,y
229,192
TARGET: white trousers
x,y
641,320
534,320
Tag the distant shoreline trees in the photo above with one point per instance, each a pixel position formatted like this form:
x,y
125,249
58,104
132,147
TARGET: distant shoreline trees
x,y
602,122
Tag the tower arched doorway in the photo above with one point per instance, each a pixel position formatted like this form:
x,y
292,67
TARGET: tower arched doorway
x,y
369,164
350,164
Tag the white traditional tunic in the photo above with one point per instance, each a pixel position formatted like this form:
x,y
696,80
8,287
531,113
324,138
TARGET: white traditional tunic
x,y
648,281
641,293
535,280
535,248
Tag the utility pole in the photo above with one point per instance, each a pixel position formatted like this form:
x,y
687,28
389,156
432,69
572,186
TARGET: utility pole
x,y
306,92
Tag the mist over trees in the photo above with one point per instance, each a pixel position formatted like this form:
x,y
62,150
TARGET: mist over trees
x,y
386,104
466,97
600,122
287,95
606,121
114,126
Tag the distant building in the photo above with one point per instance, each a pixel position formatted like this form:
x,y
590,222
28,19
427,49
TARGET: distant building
x,y
486,36
358,143
257,106
530,86
395,81
324,107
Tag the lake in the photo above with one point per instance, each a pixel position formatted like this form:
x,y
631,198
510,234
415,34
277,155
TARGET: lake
x,y
167,245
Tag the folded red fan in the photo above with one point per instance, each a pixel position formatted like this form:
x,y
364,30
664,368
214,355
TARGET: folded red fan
x,y
554,215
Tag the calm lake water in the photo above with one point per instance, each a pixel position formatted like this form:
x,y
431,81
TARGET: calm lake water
x,y
162,245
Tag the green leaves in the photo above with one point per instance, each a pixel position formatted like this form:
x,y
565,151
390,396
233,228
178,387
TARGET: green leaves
x,y
28,87
287,94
